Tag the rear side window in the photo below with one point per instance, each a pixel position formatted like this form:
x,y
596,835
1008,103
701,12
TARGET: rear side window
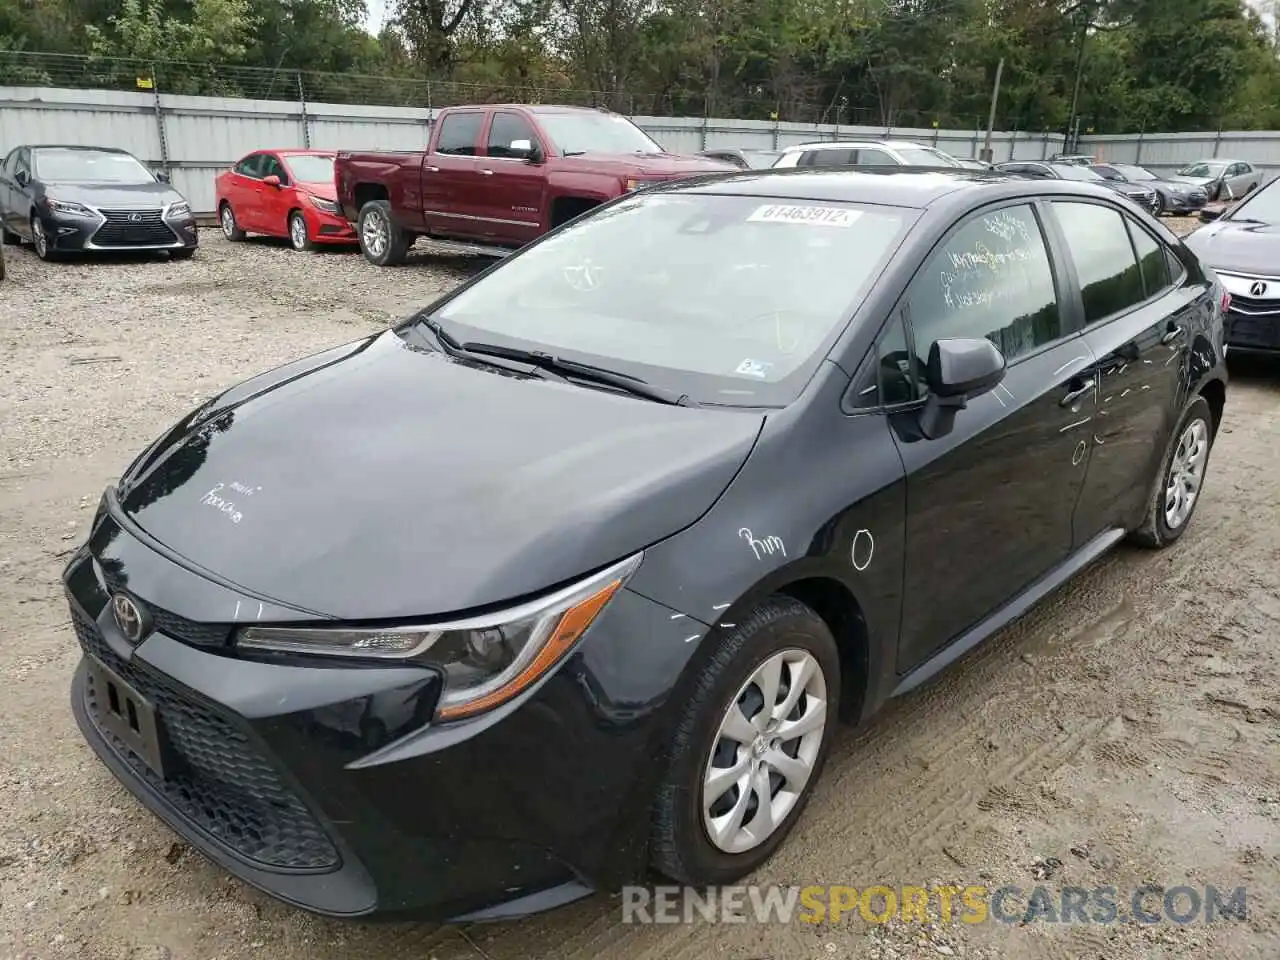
x,y
459,133
1153,260
826,158
991,279
876,158
1098,241
250,166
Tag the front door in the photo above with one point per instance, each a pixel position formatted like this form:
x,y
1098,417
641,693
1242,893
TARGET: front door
x,y
1137,312
274,203
452,191
516,198
990,505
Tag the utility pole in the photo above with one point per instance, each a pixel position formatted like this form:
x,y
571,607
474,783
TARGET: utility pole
x,y
986,155
1087,15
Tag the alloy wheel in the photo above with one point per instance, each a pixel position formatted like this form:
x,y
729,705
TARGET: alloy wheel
x,y
297,232
375,234
39,239
228,222
765,749
1186,473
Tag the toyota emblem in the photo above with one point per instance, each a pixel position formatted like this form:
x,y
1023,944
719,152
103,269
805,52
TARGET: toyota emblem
x,y
135,218
129,617
1257,288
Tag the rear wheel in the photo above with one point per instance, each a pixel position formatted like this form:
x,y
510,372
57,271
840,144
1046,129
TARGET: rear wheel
x,y
299,236
1178,486
227,220
381,241
749,747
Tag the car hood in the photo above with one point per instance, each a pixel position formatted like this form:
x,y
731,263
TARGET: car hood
x,y
379,480
653,164
1130,189
1194,181
324,189
1250,248
113,194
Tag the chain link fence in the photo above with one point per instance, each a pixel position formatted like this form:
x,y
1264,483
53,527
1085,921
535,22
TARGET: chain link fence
x,y
26,69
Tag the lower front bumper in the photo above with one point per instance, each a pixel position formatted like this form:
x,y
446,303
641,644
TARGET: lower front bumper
x,y
67,234
332,228
1253,334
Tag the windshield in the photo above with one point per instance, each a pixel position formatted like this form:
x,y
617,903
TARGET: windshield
x,y
1262,205
1134,173
1069,171
309,168
1210,169
88,166
732,300
925,157
575,133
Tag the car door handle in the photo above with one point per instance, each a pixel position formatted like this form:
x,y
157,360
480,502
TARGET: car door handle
x,y
431,169
1172,334
487,173
1075,395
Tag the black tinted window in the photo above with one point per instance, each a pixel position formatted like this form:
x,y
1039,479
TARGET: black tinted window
x,y
1110,279
250,166
1152,259
505,130
459,133
827,158
896,367
991,279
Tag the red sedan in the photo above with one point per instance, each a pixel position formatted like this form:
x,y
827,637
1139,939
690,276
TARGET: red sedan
x,y
282,193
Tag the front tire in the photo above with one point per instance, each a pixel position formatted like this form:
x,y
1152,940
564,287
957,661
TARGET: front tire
x,y
40,240
299,235
1158,206
749,747
1180,482
382,242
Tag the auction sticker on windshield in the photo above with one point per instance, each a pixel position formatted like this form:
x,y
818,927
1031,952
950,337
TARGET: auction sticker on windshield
x,y
821,216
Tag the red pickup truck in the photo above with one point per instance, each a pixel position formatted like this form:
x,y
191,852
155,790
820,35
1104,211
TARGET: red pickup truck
x,y
495,177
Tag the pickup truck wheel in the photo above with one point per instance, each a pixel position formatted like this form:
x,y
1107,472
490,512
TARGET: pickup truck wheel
x,y
381,241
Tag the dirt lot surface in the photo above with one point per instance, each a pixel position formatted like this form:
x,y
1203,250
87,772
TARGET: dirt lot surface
x,y
1125,732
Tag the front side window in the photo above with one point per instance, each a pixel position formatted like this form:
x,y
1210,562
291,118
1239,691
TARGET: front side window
x,y
272,167
251,166
53,164
889,375
1207,169
732,300
459,133
504,131
991,279
1099,246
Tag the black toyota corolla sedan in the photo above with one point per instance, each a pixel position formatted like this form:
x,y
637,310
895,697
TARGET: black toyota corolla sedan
x,y
1243,248
575,572
70,199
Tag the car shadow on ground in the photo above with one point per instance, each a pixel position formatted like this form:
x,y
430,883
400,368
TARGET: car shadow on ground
x,y
1255,369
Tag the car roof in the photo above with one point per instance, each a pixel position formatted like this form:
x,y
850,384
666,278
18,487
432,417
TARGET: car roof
x,y
74,146
888,186
846,144
292,152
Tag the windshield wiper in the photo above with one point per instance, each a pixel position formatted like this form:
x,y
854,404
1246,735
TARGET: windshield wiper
x,y
581,371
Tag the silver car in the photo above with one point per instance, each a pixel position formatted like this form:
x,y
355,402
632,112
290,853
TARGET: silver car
x,y
1212,174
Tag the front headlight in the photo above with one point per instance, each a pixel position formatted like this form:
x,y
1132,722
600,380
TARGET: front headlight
x,y
179,210
70,209
486,660
320,203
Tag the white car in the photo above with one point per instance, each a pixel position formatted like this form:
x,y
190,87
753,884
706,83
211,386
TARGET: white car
x,y
843,153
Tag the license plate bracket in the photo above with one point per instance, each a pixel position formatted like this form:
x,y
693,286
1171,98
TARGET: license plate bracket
x,y
126,714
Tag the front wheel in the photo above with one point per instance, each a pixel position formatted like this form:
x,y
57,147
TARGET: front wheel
x,y
40,240
749,747
1180,482
1157,206
381,241
299,236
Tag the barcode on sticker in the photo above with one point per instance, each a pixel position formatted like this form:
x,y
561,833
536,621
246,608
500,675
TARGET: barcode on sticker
x,y
820,216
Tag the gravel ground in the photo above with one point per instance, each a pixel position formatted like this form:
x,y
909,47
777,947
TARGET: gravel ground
x,y
1126,731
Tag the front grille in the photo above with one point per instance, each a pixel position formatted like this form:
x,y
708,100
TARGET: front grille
x,y
1257,333
215,777
180,628
122,230
1254,307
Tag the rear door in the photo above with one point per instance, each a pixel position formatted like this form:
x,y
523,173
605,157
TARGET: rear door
x,y
515,198
990,505
453,194
20,197
7,189
870,156
1137,309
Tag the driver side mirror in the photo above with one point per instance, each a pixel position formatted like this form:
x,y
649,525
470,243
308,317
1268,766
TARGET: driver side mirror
x,y
162,176
272,181
529,149
958,370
